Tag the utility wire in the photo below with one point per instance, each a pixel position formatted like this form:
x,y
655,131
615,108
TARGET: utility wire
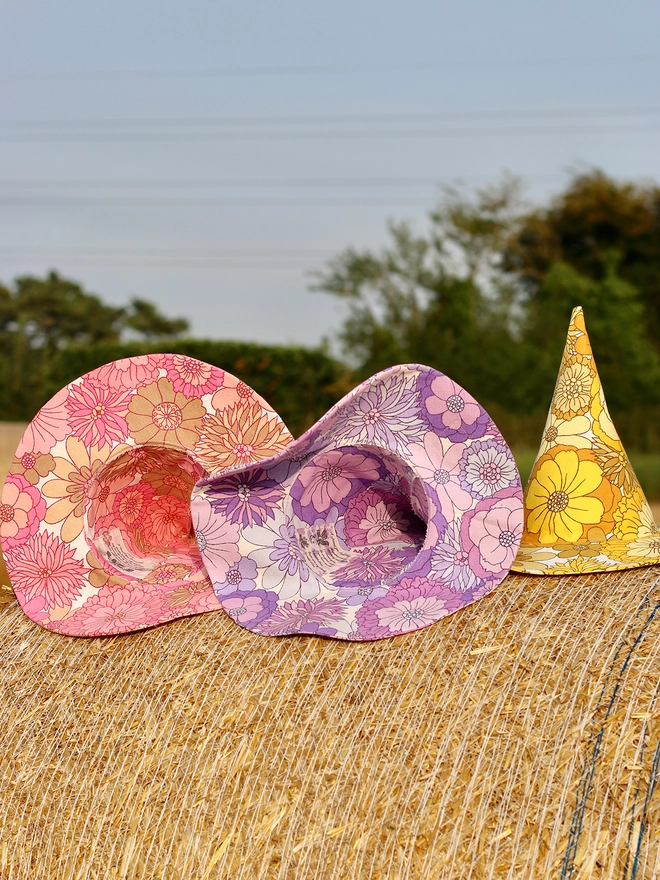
x,y
327,69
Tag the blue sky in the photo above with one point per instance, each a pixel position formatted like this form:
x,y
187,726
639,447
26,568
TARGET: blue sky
x,y
207,155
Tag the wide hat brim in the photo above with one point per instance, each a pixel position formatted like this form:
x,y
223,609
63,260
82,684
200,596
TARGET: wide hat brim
x,y
95,528
400,506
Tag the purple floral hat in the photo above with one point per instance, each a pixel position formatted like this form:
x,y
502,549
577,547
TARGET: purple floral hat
x,y
400,506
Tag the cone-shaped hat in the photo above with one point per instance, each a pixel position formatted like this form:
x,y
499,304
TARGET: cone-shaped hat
x,y
584,508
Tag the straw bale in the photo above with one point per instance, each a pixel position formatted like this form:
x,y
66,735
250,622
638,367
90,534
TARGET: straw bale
x,y
519,738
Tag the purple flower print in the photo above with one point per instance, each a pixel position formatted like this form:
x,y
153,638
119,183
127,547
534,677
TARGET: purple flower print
x,y
494,529
249,609
450,560
217,538
450,411
385,415
377,517
357,595
441,468
248,498
328,479
239,578
283,564
487,467
409,605
301,616
373,565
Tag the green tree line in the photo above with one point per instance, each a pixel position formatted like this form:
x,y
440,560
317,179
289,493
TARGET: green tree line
x,y
483,294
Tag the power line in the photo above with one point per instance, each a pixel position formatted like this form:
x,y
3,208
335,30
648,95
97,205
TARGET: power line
x,y
326,69
329,119
178,136
277,183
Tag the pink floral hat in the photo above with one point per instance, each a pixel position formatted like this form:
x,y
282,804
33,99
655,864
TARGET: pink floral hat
x,y
400,506
95,514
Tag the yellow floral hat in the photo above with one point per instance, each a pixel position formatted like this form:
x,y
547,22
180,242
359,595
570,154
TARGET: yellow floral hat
x,y
584,508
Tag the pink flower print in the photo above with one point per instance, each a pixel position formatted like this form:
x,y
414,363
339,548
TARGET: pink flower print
x,y
36,608
441,469
48,427
21,510
487,467
409,605
127,374
45,566
452,412
168,524
205,600
131,504
494,529
192,377
97,414
327,479
113,611
217,539
376,517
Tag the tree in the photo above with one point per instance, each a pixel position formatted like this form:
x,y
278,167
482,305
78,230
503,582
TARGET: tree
x,y
40,317
439,298
595,221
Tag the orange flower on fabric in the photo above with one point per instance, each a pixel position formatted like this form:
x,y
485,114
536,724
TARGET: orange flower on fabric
x,y
73,486
33,466
572,395
159,414
558,503
240,434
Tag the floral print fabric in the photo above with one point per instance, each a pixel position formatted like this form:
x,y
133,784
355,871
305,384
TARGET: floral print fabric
x,y
95,517
584,508
402,505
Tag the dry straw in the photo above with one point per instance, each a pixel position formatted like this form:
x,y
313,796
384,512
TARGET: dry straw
x,y
518,738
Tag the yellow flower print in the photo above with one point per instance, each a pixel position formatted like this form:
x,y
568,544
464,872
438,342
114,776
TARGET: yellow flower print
x,y
557,498
644,549
572,395
72,485
239,435
159,414
633,516
615,465
603,424
560,432
580,565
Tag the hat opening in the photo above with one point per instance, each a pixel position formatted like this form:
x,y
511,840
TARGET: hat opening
x,y
358,516
138,519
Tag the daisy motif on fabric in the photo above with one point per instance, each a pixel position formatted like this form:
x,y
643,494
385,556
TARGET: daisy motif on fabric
x,y
239,435
486,467
410,605
450,560
158,414
384,415
45,566
192,377
281,560
33,466
97,414
249,498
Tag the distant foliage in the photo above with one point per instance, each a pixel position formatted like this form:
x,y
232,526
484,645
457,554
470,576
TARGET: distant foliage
x,y
300,383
